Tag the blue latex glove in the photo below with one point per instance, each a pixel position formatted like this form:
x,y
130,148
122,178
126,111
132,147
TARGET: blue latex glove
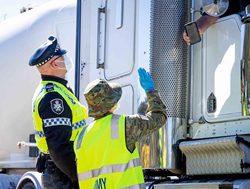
x,y
146,81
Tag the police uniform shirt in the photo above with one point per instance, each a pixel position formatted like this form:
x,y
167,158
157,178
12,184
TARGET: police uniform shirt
x,y
58,137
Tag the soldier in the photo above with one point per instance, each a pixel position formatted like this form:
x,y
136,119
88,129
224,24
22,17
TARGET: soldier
x,y
106,152
58,116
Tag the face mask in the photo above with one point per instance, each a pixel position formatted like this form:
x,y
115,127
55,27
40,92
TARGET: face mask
x,y
68,62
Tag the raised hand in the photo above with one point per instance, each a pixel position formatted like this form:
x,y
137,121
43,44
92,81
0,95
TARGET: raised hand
x,y
146,80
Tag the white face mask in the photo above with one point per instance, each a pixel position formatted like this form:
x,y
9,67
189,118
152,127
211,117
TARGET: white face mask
x,y
68,62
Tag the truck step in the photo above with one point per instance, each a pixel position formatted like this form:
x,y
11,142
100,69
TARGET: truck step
x,y
226,155
208,184
195,186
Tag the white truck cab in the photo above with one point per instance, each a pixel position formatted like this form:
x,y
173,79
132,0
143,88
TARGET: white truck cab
x,y
205,142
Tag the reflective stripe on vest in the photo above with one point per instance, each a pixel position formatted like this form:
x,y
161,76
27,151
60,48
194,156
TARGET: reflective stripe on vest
x,y
107,164
114,131
69,97
109,169
34,102
115,126
79,113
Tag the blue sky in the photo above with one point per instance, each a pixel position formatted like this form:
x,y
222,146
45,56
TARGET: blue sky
x,y
10,8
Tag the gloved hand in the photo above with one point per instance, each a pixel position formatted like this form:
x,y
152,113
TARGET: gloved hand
x,y
146,81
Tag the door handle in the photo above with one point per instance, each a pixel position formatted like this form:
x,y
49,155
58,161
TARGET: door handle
x,y
101,23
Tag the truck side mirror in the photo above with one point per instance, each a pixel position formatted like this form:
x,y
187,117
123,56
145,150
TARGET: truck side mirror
x,y
215,7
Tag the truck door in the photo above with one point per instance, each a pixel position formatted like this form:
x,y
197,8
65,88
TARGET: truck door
x,y
221,79
110,53
119,38
119,47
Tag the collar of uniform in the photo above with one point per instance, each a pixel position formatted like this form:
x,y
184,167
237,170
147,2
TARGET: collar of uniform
x,y
101,116
54,78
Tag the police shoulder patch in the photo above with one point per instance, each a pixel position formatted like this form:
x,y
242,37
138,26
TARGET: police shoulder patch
x,y
57,106
49,87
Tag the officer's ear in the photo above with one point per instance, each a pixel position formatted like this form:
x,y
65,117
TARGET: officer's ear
x,y
54,64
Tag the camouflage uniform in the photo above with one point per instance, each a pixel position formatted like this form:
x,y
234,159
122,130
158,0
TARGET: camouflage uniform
x,y
138,125
101,97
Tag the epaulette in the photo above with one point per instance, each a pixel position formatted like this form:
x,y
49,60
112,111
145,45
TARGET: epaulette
x,y
49,87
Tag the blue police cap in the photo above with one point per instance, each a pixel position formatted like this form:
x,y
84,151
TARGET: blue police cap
x,y
45,52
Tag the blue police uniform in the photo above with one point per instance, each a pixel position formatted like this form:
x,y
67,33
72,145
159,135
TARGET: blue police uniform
x,y
54,139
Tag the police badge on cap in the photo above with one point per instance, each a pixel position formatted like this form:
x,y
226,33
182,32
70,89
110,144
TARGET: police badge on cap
x,y
57,106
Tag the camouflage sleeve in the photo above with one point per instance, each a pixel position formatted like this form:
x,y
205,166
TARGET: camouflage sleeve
x,y
138,126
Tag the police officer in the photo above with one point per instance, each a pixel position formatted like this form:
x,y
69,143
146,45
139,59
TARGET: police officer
x,y
58,116
106,152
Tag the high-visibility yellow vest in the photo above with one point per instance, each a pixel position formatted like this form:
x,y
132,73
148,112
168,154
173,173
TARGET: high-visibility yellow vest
x,y
103,161
79,113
